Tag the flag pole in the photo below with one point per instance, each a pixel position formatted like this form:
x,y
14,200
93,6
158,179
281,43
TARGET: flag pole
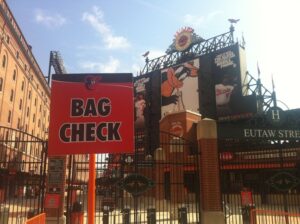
x,y
91,190
274,93
260,96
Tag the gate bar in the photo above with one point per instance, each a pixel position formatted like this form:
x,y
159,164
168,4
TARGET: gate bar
x,y
91,190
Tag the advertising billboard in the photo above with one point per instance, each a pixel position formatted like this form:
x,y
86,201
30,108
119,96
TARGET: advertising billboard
x,y
91,113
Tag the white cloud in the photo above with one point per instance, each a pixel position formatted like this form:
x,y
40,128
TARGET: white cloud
x,y
192,20
109,67
136,69
154,53
51,21
213,14
90,47
139,60
197,21
95,19
277,52
155,7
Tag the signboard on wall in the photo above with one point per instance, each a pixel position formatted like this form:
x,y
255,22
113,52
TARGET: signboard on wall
x,y
91,113
52,200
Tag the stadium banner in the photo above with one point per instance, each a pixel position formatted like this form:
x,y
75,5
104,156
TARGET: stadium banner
x,y
91,113
179,87
227,68
147,108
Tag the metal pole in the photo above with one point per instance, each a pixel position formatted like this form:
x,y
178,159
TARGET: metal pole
x,y
260,98
69,187
285,204
91,190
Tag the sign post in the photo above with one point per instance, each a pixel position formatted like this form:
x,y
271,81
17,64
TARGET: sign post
x,y
91,190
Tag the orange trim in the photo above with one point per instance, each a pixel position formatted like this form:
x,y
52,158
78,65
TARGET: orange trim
x,y
185,168
92,190
39,219
189,168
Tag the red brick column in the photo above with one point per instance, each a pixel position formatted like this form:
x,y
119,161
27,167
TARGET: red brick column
x,y
209,172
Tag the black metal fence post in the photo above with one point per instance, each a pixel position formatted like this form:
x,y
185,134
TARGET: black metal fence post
x,y
182,215
246,213
105,215
126,215
151,216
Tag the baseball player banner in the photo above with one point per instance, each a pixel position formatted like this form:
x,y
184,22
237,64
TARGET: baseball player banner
x,y
147,105
91,113
227,70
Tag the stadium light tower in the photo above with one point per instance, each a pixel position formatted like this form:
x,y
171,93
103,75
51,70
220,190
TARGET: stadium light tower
x,y
57,63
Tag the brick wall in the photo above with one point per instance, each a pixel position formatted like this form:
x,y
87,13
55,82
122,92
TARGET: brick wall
x,y
209,165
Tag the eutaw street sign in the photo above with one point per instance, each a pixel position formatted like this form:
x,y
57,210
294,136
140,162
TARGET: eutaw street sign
x,y
228,131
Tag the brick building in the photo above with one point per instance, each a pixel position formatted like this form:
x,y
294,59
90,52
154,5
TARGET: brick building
x,y
24,111
24,92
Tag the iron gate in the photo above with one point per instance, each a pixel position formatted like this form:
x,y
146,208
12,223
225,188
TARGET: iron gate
x,y
22,175
159,187
269,170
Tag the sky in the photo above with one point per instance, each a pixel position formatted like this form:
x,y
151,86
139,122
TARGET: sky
x,y
110,36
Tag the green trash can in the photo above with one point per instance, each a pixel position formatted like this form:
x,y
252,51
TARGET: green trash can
x,y
4,213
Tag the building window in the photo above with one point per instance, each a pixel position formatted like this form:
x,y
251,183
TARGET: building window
x,y
40,107
23,85
35,101
29,94
17,142
3,61
33,118
6,136
27,114
17,54
21,103
39,123
1,84
11,95
26,128
14,74
19,122
7,39
9,117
